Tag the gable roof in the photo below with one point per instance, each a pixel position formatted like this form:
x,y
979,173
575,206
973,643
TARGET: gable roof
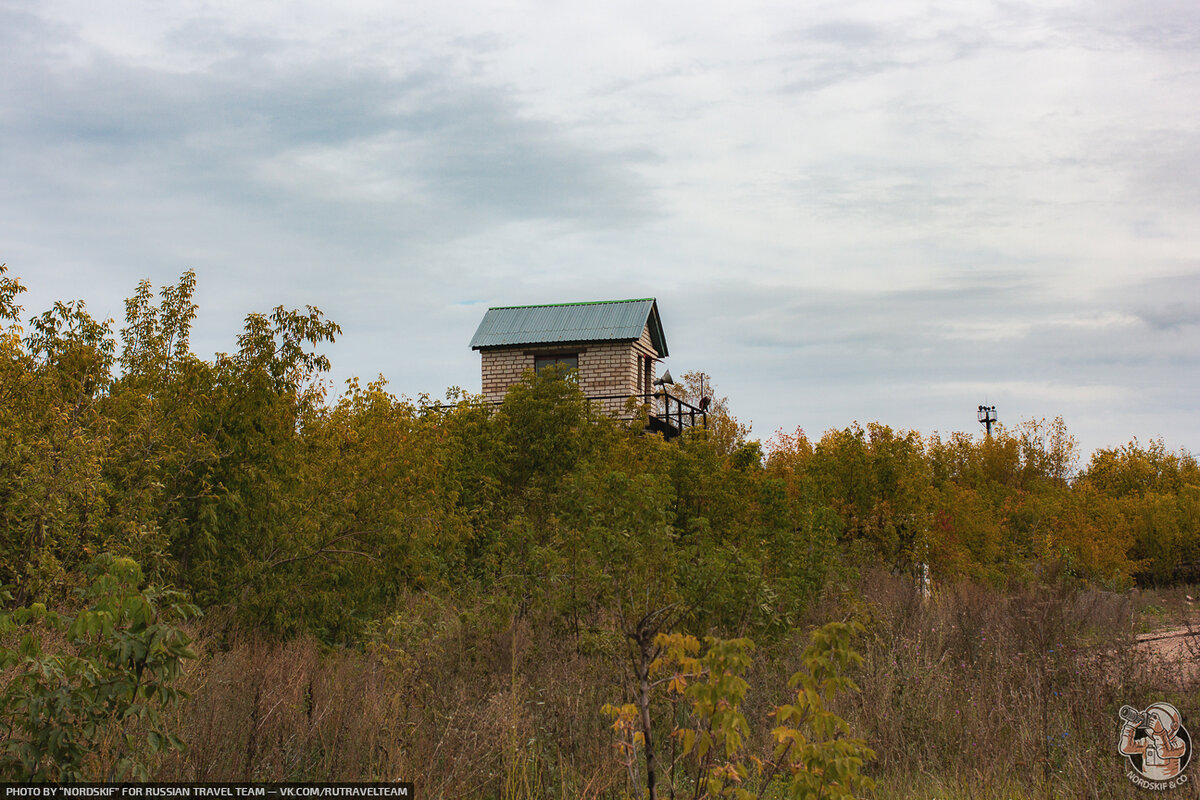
x,y
607,320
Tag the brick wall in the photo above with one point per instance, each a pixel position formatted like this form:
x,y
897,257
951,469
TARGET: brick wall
x,y
644,347
604,368
501,369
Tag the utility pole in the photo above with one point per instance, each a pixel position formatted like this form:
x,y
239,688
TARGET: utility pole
x,y
987,416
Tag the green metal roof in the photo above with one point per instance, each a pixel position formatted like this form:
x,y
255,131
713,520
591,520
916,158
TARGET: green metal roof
x,y
606,320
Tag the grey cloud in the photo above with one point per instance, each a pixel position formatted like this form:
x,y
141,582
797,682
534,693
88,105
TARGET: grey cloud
x,y
23,31
208,38
1171,316
818,75
1167,305
263,177
875,325
902,192
1168,26
834,52
1164,169
835,356
475,159
843,32
830,53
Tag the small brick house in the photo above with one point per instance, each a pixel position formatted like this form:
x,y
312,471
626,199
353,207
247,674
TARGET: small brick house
x,y
614,344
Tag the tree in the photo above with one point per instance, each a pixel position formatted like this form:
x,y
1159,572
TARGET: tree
x,y
53,444
161,451
725,432
548,426
263,400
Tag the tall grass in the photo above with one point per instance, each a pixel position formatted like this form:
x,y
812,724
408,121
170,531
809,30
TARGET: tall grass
x,y
463,702
1016,689
974,692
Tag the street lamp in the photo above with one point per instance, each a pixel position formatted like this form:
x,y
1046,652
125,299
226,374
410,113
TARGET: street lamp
x,y
987,417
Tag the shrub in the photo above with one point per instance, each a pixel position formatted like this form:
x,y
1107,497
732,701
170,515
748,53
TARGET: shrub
x,y
82,710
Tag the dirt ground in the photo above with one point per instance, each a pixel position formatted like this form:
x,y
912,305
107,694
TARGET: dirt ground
x,y
1176,644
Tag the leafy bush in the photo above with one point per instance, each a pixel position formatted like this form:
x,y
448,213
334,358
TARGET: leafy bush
x,y
812,750
91,707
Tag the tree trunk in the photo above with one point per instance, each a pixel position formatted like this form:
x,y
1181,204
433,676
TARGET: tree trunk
x,y
645,644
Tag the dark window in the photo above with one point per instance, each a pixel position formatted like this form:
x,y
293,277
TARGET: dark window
x,y
570,360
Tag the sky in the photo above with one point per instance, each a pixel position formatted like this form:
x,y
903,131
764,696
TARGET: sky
x,y
848,211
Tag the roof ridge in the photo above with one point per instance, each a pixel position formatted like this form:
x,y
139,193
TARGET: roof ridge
x,y
582,303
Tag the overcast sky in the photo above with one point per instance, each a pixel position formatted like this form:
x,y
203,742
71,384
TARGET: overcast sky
x,y
883,210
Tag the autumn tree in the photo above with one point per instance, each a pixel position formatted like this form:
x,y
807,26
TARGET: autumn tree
x,y
53,443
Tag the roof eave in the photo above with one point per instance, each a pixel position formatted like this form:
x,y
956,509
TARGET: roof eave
x,y
657,337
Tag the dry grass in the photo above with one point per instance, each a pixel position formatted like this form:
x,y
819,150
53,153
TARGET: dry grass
x,y
974,693
463,708
980,689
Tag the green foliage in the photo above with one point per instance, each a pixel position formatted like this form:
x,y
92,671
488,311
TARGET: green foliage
x,y
1002,506
53,440
813,745
714,738
724,432
544,422
10,288
91,707
238,479
813,751
1146,505
161,447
